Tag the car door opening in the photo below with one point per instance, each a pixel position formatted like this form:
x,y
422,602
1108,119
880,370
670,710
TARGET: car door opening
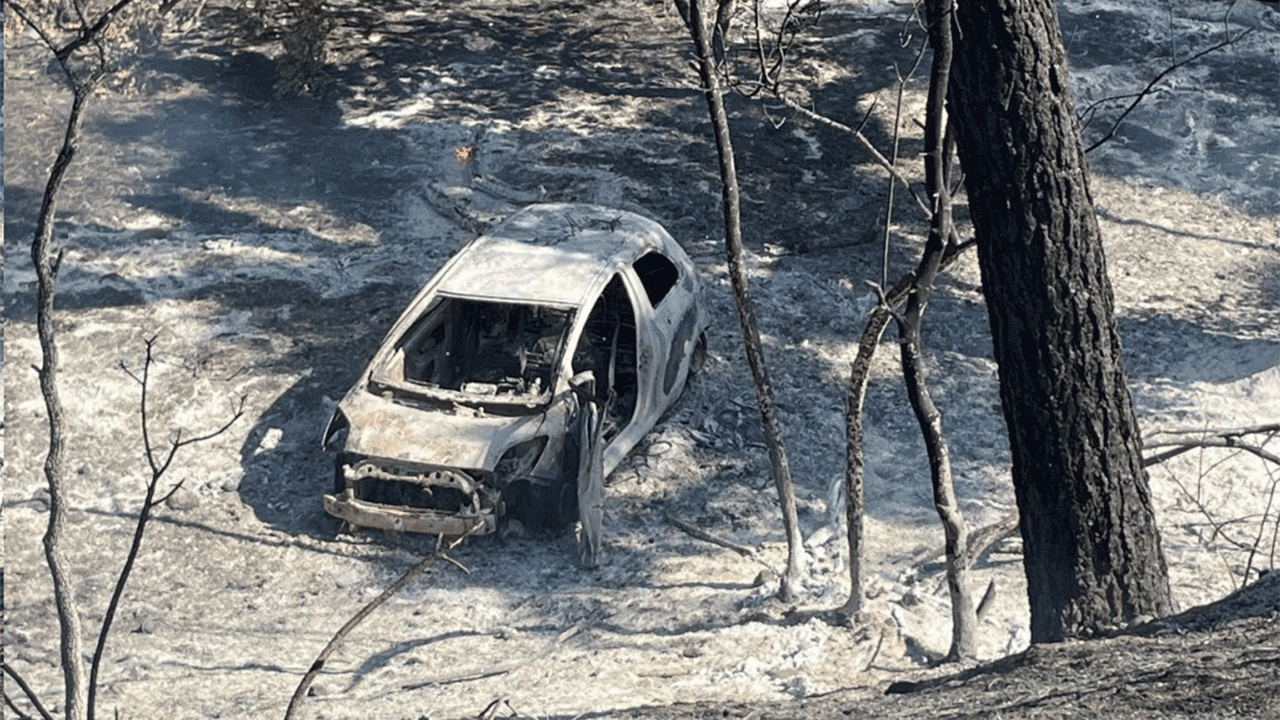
x,y
608,349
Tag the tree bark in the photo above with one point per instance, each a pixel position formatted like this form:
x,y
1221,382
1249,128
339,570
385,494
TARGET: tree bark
x,y
746,313
855,400
1092,550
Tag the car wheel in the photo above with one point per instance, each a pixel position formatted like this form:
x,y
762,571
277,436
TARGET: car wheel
x,y
698,360
339,482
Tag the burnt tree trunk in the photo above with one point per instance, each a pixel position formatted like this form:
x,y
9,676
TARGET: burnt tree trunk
x,y
699,25
1092,551
46,264
937,155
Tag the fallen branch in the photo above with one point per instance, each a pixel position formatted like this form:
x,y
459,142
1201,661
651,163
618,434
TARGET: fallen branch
x,y
1181,441
875,653
509,667
708,537
980,540
1250,430
441,553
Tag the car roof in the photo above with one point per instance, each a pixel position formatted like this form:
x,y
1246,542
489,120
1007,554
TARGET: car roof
x,y
552,254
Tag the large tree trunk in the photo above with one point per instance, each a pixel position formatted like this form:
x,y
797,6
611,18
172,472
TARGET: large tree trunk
x,y
1092,551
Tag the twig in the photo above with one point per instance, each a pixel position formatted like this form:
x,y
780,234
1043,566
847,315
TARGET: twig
x,y
1180,448
509,667
149,503
491,710
1263,429
708,537
1216,525
1262,524
26,690
18,711
25,17
866,144
875,653
91,34
1275,526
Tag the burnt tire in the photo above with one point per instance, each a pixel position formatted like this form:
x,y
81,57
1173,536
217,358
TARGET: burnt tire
x,y
541,508
339,482
698,359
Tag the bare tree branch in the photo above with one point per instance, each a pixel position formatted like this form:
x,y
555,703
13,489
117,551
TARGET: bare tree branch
x,y
91,34
149,503
26,690
1184,440
1138,97
26,18
1264,429
1262,525
866,143
855,403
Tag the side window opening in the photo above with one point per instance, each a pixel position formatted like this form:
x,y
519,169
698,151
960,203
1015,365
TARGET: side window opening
x,y
610,334
657,274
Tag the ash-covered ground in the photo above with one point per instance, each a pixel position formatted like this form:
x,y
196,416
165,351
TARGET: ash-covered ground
x,y
269,243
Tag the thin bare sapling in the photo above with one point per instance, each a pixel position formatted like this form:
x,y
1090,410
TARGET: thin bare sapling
x,y
698,21
88,48
1253,538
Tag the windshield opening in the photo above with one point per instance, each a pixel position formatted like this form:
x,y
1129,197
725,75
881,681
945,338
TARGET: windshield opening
x,y
484,349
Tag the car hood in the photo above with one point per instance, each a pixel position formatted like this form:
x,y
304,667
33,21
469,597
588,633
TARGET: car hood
x,y
461,438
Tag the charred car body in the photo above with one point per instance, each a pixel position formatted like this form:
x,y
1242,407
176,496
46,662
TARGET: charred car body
x,y
560,336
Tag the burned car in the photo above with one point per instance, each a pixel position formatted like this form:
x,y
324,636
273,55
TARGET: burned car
x,y
551,343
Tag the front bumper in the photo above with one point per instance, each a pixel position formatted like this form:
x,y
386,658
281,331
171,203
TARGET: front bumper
x,y
363,514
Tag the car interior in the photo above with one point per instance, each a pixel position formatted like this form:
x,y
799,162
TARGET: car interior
x,y
486,348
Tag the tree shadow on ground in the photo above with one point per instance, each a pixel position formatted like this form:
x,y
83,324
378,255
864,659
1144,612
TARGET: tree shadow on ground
x,y
241,161
1159,346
